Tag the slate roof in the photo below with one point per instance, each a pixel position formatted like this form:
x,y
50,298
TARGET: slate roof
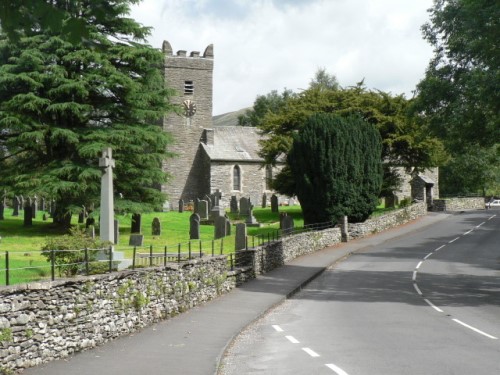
x,y
234,143
426,179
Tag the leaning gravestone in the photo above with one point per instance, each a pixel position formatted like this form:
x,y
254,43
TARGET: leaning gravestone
x,y
274,203
241,236
136,239
136,223
233,204
194,227
156,227
181,205
219,227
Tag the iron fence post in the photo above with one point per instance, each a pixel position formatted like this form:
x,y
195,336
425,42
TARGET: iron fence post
x,y
165,256
200,249
150,255
213,247
87,261
7,281
110,259
133,257
221,245
179,253
53,264
189,250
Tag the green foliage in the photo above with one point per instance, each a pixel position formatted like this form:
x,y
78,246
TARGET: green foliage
x,y
264,104
64,102
337,168
459,95
67,251
5,335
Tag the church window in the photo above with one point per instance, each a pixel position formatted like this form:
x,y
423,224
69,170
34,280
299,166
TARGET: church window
x,y
188,88
236,178
269,176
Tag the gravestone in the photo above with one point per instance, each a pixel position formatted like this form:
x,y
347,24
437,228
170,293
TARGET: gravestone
x,y
107,163
42,204
240,237
195,204
44,217
28,216
228,226
287,225
136,239
116,231
34,206
136,223
89,222
244,205
391,201
233,204
215,213
274,203
194,227
181,206
219,227
203,210
291,202
15,206
264,200
250,220
282,216
156,227
209,202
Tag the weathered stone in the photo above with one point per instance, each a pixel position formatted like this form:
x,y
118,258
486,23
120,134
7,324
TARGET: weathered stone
x,y
156,227
194,227
233,205
136,223
136,239
274,203
219,227
241,236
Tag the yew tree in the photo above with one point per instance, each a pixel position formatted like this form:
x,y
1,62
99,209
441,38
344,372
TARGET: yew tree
x,y
62,102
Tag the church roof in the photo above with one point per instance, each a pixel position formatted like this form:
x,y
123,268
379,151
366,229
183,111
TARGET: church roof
x,y
233,143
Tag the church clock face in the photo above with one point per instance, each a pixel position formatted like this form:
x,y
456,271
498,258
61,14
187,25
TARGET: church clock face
x,y
189,108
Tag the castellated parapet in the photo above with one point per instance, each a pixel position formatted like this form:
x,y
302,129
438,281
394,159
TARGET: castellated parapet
x,y
191,76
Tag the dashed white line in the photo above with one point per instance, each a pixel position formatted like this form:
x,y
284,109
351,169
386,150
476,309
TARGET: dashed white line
x,y
433,306
337,369
311,352
427,256
477,226
453,240
292,339
414,278
492,217
277,328
440,247
475,329
468,232
418,265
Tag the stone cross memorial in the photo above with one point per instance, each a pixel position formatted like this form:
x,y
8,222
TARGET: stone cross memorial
x,y
107,163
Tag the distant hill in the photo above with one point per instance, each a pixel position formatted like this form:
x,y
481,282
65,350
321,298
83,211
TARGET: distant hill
x,y
228,119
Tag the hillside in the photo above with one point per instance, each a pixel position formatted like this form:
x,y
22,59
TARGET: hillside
x,y
228,119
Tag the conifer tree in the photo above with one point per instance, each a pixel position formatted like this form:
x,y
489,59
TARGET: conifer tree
x,y
62,102
337,167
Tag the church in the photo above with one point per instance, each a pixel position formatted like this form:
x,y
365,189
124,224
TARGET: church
x,y
210,158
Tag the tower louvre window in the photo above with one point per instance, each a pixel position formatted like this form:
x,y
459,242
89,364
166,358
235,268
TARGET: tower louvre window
x,y
188,88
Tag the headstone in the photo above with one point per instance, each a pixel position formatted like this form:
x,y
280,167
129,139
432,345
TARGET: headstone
x,y
228,227
241,236
116,231
15,206
233,204
181,205
391,201
89,222
244,206
136,223
194,227
203,210
282,216
250,220
215,213
291,202
107,163
264,200
219,227
195,204
136,239
287,225
274,203
156,227
28,216
44,217
209,202
34,206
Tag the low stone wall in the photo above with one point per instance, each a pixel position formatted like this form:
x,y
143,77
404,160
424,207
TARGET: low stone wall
x,y
387,221
458,204
41,322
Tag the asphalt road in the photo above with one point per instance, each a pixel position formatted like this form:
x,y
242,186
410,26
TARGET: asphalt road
x,y
427,303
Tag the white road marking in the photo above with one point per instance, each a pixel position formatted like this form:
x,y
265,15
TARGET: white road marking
x,y
414,278
336,369
468,232
418,265
492,217
417,288
475,329
432,305
427,256
453,240
292,339
311,352
477,226
278,328
440,247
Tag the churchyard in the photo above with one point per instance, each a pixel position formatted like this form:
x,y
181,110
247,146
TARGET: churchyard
x,y
24,243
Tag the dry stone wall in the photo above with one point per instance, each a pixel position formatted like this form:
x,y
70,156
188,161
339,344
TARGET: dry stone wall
x,y
41,322
458,204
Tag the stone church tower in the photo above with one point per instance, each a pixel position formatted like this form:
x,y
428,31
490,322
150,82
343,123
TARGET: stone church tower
x,y
191,77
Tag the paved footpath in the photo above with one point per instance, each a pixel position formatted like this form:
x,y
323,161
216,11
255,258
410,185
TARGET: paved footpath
x,y
193,343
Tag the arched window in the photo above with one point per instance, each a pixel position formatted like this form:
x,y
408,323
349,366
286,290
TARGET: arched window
x,y
236,177
269,176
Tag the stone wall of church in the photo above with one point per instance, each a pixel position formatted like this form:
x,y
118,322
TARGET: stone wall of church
x,y
405,188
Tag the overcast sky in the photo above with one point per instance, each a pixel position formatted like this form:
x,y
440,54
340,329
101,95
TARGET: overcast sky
x,y
264,45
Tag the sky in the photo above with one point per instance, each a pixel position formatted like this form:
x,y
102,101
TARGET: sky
x,y
265,45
